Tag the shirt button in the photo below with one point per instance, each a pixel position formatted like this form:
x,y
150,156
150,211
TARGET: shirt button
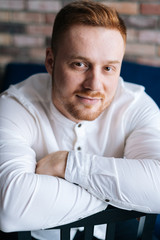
x,y
78,148
79,125
107,200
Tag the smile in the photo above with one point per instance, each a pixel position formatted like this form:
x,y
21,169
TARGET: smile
x,y
88,100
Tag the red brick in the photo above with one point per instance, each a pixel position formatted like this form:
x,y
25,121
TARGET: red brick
x,y
132,35
49,18
5,16
149,61
27,17
146,60
42,30
136,49
44,6
5,59
38,54
149,36
5,39
27,41
152,9
9,50
141,21
12,4
158,52
124,7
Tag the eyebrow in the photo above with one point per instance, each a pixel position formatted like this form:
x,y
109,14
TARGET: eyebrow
x,y
88,60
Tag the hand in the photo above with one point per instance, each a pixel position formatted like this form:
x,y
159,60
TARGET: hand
x,y
53,164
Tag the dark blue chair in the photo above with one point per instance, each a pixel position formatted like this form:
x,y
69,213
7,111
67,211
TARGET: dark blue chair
x,y
147,76
111,216
17,72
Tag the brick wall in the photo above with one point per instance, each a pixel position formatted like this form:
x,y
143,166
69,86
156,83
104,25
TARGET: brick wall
x,y
26,25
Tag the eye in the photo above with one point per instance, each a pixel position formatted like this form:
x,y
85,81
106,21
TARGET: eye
x,y
79,65
108,69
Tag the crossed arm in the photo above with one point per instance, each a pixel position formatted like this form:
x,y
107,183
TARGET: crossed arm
x,y
53,164
133,182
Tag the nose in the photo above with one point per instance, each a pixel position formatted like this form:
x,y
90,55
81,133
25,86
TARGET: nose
x,y
93,80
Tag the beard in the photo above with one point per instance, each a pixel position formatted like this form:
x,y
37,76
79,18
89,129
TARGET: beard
x,y
82,115
86,112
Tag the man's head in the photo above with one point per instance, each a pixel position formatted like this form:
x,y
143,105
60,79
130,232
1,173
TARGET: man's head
x,y
88,44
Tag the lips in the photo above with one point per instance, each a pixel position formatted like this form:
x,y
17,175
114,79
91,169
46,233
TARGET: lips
x,y
89,97
88,100
90,94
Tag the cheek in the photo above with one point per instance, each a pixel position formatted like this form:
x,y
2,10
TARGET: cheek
x,y
63,84
59,78
114,85
111,86
67,80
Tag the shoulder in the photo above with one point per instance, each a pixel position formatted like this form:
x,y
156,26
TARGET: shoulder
x,y
129,89
23,103
30,92
33,88
133,94
141,109
134,105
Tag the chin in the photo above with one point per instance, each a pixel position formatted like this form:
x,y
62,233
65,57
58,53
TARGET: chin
x,y
84,113
89,116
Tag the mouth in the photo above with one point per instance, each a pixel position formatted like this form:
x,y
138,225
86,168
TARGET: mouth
x,y
88,100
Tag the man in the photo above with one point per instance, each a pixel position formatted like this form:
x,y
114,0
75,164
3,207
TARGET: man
x,y
79,137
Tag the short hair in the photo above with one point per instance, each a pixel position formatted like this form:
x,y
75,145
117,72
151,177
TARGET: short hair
x,y
86,12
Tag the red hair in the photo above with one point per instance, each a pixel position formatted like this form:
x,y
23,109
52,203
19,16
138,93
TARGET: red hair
x,y
86,13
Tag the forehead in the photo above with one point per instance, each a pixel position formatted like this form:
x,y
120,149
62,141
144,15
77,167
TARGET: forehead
x,y
92,41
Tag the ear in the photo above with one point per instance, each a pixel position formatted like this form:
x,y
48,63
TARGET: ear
x,y
49,61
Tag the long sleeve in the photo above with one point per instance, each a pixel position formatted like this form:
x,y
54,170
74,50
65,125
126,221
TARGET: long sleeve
x,y
132,184
29,201
133,180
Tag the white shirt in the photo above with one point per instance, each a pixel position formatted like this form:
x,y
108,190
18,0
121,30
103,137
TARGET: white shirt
x,y
119,160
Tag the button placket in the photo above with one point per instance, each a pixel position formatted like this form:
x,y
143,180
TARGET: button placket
x,y
79,130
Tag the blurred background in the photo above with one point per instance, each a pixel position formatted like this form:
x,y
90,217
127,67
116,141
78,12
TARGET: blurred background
x,y
26,26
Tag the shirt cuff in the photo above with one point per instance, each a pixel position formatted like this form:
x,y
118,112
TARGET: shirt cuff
x,y
76,172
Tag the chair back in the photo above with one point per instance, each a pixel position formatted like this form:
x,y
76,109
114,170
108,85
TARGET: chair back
x,y
110,216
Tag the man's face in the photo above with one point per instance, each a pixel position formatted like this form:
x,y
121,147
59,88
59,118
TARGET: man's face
x,y
86,71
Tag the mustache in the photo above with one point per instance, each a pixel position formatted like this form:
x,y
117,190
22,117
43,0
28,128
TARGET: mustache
x,y
88,93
